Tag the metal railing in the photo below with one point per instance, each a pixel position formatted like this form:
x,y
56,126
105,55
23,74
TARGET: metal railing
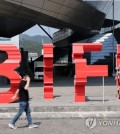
x,y
107,49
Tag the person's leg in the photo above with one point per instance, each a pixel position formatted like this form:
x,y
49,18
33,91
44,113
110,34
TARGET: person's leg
x,y
28,115
22,106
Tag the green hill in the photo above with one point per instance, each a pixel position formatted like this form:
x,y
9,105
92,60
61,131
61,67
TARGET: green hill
x,y
34,43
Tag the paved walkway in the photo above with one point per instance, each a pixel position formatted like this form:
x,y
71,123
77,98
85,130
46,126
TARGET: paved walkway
x,y
70,126
64,97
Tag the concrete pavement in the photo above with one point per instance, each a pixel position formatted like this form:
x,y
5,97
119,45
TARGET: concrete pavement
x,y
64,97
64,126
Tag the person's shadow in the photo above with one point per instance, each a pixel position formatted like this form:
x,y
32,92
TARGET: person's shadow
x,y
24,126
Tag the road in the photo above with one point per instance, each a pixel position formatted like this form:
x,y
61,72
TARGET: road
x,y
63,126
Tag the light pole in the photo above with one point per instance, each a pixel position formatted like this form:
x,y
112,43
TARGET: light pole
x,y
113,3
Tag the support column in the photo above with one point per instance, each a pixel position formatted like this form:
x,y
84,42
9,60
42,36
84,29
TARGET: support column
x,y
48,71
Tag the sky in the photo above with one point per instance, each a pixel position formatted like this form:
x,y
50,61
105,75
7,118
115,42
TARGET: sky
x,y
36,30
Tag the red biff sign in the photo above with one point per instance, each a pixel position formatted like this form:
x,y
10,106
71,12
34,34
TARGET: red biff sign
x,y
82,70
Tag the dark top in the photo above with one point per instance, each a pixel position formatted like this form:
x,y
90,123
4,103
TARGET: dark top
x,y
23,94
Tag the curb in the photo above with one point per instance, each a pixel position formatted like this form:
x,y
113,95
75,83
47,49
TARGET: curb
x,y
62,115
64,109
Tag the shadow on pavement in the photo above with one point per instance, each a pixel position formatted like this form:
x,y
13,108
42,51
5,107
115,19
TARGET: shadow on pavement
x,y
96,100
24,126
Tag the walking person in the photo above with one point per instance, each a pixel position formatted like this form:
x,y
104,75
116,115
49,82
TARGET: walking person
x,y
23,103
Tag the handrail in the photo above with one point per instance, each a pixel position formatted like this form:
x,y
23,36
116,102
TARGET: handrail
x,y
99,58
107,50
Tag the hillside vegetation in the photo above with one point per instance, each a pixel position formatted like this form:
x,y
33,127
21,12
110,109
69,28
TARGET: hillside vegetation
x,y
34,43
